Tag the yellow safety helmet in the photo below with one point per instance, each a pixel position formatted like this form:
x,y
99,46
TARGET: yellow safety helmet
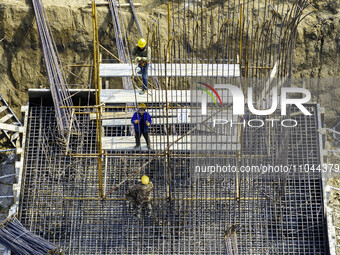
x,y
142,105
141,43
145,180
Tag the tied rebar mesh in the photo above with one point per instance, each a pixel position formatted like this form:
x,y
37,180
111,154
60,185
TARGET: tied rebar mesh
x,y
203,217
19,240
193,212
56,78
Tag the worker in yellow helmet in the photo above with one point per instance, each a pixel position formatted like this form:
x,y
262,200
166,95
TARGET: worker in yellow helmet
x,y
140,196
141,121
141,54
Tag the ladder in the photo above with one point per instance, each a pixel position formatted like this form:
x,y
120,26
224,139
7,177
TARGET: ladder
x,y
9,123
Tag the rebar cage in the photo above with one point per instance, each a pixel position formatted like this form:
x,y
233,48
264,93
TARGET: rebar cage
x,y
199,206
271,213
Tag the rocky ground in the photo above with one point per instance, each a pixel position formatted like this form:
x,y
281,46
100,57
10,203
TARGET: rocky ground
x,y
317,50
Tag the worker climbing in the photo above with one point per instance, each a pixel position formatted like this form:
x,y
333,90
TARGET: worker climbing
x,y
141,54
141,121
140,195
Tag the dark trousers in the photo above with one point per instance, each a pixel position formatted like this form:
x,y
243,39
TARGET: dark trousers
x,y
146,136
138,207
144,70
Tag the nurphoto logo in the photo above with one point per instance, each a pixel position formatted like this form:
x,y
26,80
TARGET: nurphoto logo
x,y
238,103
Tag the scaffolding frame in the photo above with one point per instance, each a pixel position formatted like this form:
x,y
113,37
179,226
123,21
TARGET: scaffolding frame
x,y
193,212
60,198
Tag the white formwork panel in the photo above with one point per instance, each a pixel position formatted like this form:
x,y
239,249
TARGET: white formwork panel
x,y
186,143
122,96
171,70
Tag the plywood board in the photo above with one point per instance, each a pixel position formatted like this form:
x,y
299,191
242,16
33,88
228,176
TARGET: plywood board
x,y
171,70
122,96
223,143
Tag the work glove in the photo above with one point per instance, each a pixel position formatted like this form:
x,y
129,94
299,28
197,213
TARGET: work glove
x,y
136,121
138,59
147,123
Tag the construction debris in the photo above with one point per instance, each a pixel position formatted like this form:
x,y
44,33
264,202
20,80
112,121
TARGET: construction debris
x,y
19,240
9,123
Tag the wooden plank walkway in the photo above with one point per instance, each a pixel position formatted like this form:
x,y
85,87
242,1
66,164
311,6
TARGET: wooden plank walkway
x,y
122,96
162,113
211,143
171,70
10,127
162,120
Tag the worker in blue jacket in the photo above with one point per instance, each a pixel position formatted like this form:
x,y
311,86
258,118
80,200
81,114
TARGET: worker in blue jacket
x,y
141,121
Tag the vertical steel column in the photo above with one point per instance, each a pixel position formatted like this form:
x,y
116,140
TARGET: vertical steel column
x,y
97,90
169,41
239,156
167,152
241,32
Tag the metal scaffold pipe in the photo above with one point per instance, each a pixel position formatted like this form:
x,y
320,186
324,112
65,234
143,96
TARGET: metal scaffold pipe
x,y
97,91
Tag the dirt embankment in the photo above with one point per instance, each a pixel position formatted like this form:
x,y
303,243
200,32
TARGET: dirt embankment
x,y
317,49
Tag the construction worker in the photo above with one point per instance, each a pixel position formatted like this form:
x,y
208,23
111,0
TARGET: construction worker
x,y
141,54
141,121
140,195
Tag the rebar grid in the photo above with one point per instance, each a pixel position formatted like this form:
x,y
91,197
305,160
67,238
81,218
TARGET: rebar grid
x,y
193,212
274,214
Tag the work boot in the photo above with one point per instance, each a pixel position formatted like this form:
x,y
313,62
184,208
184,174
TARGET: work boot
x,y
138,216
149,209
137,147
142,92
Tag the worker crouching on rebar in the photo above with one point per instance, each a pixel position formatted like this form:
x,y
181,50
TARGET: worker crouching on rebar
x,y
141,121
141,54
140,195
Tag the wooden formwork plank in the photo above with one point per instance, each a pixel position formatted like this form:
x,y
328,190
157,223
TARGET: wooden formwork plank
x,y
171,70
